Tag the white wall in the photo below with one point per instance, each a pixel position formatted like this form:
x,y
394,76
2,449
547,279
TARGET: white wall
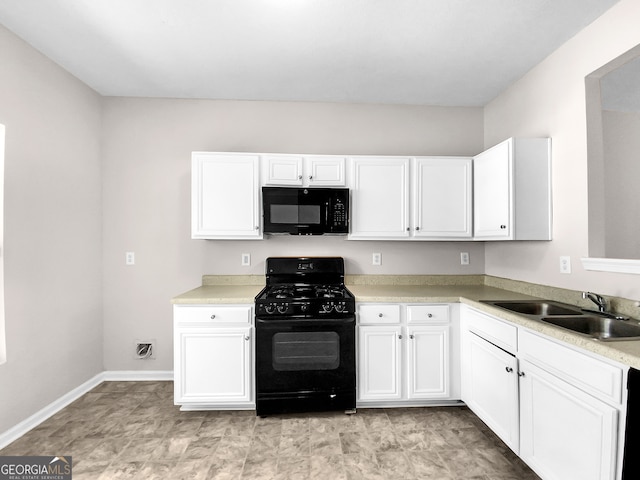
x,y
52,249
621,135
550,100
146,189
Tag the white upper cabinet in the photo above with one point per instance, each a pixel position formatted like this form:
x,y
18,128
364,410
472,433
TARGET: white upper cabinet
x,y
442,197
225,196
512,191
396,198
379,197
307,170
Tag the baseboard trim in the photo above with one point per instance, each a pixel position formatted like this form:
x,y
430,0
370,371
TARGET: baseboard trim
x,y
54,407
138,375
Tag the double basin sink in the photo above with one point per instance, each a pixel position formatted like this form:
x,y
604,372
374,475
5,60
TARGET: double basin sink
x,y
598,325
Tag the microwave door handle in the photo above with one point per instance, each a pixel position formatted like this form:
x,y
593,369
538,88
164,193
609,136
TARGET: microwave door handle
x,y
326,213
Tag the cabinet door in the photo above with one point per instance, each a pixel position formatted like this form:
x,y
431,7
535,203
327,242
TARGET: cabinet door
x,y
428,362
442,197
380,197
225,200
213,366
283,170
490,387
379,362
565,433
325,171
493,192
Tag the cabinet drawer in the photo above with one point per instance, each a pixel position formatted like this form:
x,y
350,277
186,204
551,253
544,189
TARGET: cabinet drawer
x,y
428,314
501,334
217,314
590,374
379,313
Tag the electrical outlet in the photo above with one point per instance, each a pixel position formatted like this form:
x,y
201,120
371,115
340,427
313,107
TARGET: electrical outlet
x,y
376,259
464,258
246,259
130,258
145,349
565,264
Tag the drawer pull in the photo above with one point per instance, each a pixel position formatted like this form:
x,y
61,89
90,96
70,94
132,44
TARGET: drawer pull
x,y
430,315
508,369
380,315
213,316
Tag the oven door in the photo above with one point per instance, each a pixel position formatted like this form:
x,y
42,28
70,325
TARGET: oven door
x,y
305,365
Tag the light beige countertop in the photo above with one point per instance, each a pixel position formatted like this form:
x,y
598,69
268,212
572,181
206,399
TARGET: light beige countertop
x,y
237,294
434,289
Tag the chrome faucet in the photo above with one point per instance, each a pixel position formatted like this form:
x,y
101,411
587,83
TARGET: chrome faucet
x,y
597,299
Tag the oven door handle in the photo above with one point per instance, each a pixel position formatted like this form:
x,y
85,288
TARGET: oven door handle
x,y
305,322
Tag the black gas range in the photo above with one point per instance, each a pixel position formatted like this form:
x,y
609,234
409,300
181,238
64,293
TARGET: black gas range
x,y
305,288
305,337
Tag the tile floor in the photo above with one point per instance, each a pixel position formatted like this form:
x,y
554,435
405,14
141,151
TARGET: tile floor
x,y
127,430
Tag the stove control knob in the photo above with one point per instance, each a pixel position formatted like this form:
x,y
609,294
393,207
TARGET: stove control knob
x,y
326,307
271,308
304,307
339,307
283,308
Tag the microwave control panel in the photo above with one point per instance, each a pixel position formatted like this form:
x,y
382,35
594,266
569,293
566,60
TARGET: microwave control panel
x,y
339,214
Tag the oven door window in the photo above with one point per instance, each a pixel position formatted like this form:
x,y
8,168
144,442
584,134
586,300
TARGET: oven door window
x,y
296,351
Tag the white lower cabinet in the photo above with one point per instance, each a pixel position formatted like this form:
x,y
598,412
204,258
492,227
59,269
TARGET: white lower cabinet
x,y
379,362
213,357
400,362
490,387
428,362
566,434
560,408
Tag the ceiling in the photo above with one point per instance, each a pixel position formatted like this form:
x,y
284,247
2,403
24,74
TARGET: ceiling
x,y
416,52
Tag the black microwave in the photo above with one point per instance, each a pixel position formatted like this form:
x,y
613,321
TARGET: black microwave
x,y
305,211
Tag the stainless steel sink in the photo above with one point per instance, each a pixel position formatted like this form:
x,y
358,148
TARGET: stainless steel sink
x,y
601,328
537,307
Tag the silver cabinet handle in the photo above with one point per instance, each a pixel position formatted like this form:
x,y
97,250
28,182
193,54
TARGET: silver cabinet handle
x,y
417,228
503,227
299,177
399,337
380,315
247,337
411,336
408,229
508,369
213,316
430,315
521,374
310,177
